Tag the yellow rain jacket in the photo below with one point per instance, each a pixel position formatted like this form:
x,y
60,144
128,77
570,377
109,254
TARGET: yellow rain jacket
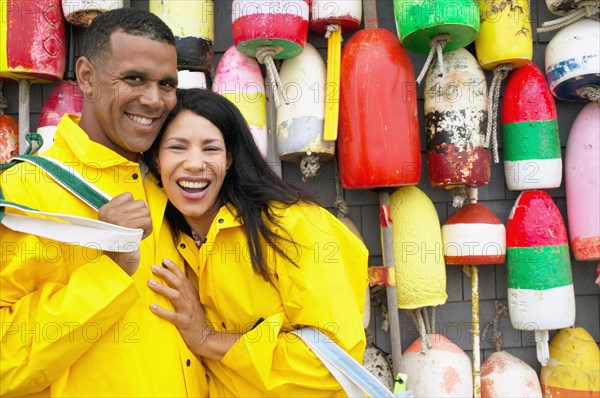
x,y
73,323
326,290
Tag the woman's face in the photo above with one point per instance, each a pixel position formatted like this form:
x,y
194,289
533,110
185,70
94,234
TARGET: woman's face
x,y
192,161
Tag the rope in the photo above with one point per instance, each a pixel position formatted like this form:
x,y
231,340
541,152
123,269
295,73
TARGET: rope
x,y
432,320
340,202
436,44
309,165
331,28
586,8
491,133
418,320
264,55
459,196
426,319
501,310
590,92
3,101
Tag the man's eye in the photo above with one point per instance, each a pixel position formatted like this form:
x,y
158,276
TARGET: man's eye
x,y
167,85
133,79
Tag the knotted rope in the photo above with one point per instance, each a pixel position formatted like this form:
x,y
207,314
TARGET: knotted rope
x,y
436,45
309,166
585,9
331,28
264,55
590,92
491,134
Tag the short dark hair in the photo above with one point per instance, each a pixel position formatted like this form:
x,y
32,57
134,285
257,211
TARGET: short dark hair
x,y
250,185
133,21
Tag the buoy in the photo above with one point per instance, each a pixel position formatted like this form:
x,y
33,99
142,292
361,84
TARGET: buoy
x,y
270,29
9,137
505,34
375,361
504,375
65,97
378,142
239,79
455,119
420,268
574,367
83,12
435,27
192,23
582,180
571,11
532,158
573,61
300,123
331,18
540,283
474,236
191,79
444,370
33,41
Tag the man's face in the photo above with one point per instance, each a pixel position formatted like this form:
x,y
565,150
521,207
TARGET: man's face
x,y
129,93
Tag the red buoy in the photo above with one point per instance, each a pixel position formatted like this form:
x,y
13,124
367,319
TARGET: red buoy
x,y
378,140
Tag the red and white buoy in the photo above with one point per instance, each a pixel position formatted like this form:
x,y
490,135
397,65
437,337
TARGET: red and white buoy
x,y
504,375
9,133
239,79
540,283
582,180
532,158
270,29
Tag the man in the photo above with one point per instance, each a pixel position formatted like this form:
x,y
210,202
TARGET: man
x,y
75,321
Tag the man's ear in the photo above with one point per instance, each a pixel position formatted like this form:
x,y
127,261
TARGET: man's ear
x,y
85,73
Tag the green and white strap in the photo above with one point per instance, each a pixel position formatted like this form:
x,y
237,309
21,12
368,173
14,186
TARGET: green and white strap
x,y
352,376
68,228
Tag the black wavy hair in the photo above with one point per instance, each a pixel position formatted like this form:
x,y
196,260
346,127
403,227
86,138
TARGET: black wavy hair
x,y
133,21
250,185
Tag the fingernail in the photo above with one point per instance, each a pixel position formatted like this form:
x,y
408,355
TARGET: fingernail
x,y
155,268
152,282
164,265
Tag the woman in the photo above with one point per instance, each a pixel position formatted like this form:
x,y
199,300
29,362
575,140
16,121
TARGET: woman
x,y
268,259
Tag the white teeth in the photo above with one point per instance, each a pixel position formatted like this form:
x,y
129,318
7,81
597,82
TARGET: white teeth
x,y
193,185
141,120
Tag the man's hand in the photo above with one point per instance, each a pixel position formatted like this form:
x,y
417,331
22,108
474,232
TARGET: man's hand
x,y
124,211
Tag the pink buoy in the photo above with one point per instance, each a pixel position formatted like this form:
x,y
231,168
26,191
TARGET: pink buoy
x,y
65,97
239,79
582,177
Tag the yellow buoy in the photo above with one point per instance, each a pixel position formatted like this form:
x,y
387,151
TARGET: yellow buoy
x,y
420,268
574,366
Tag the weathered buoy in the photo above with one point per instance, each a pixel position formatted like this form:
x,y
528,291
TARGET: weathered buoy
x,y
455,120
378,142
573,60
420,22
474,236
9,138
582,180
532,158
444,370
540,283
505,34
270,29
504,375
574,367
33,41
65,97
330,18
239,79
300,123
419,260
192,23
83,12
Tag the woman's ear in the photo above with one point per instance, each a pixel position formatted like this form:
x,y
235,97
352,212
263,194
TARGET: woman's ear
x,y
229,161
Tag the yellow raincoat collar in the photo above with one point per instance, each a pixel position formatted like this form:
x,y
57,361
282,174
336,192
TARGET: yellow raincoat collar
x,y
86,150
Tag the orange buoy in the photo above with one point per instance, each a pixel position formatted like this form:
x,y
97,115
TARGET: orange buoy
x,y
504,375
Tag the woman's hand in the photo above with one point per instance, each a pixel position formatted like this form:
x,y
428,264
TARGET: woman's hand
x,y
124,211
188,317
